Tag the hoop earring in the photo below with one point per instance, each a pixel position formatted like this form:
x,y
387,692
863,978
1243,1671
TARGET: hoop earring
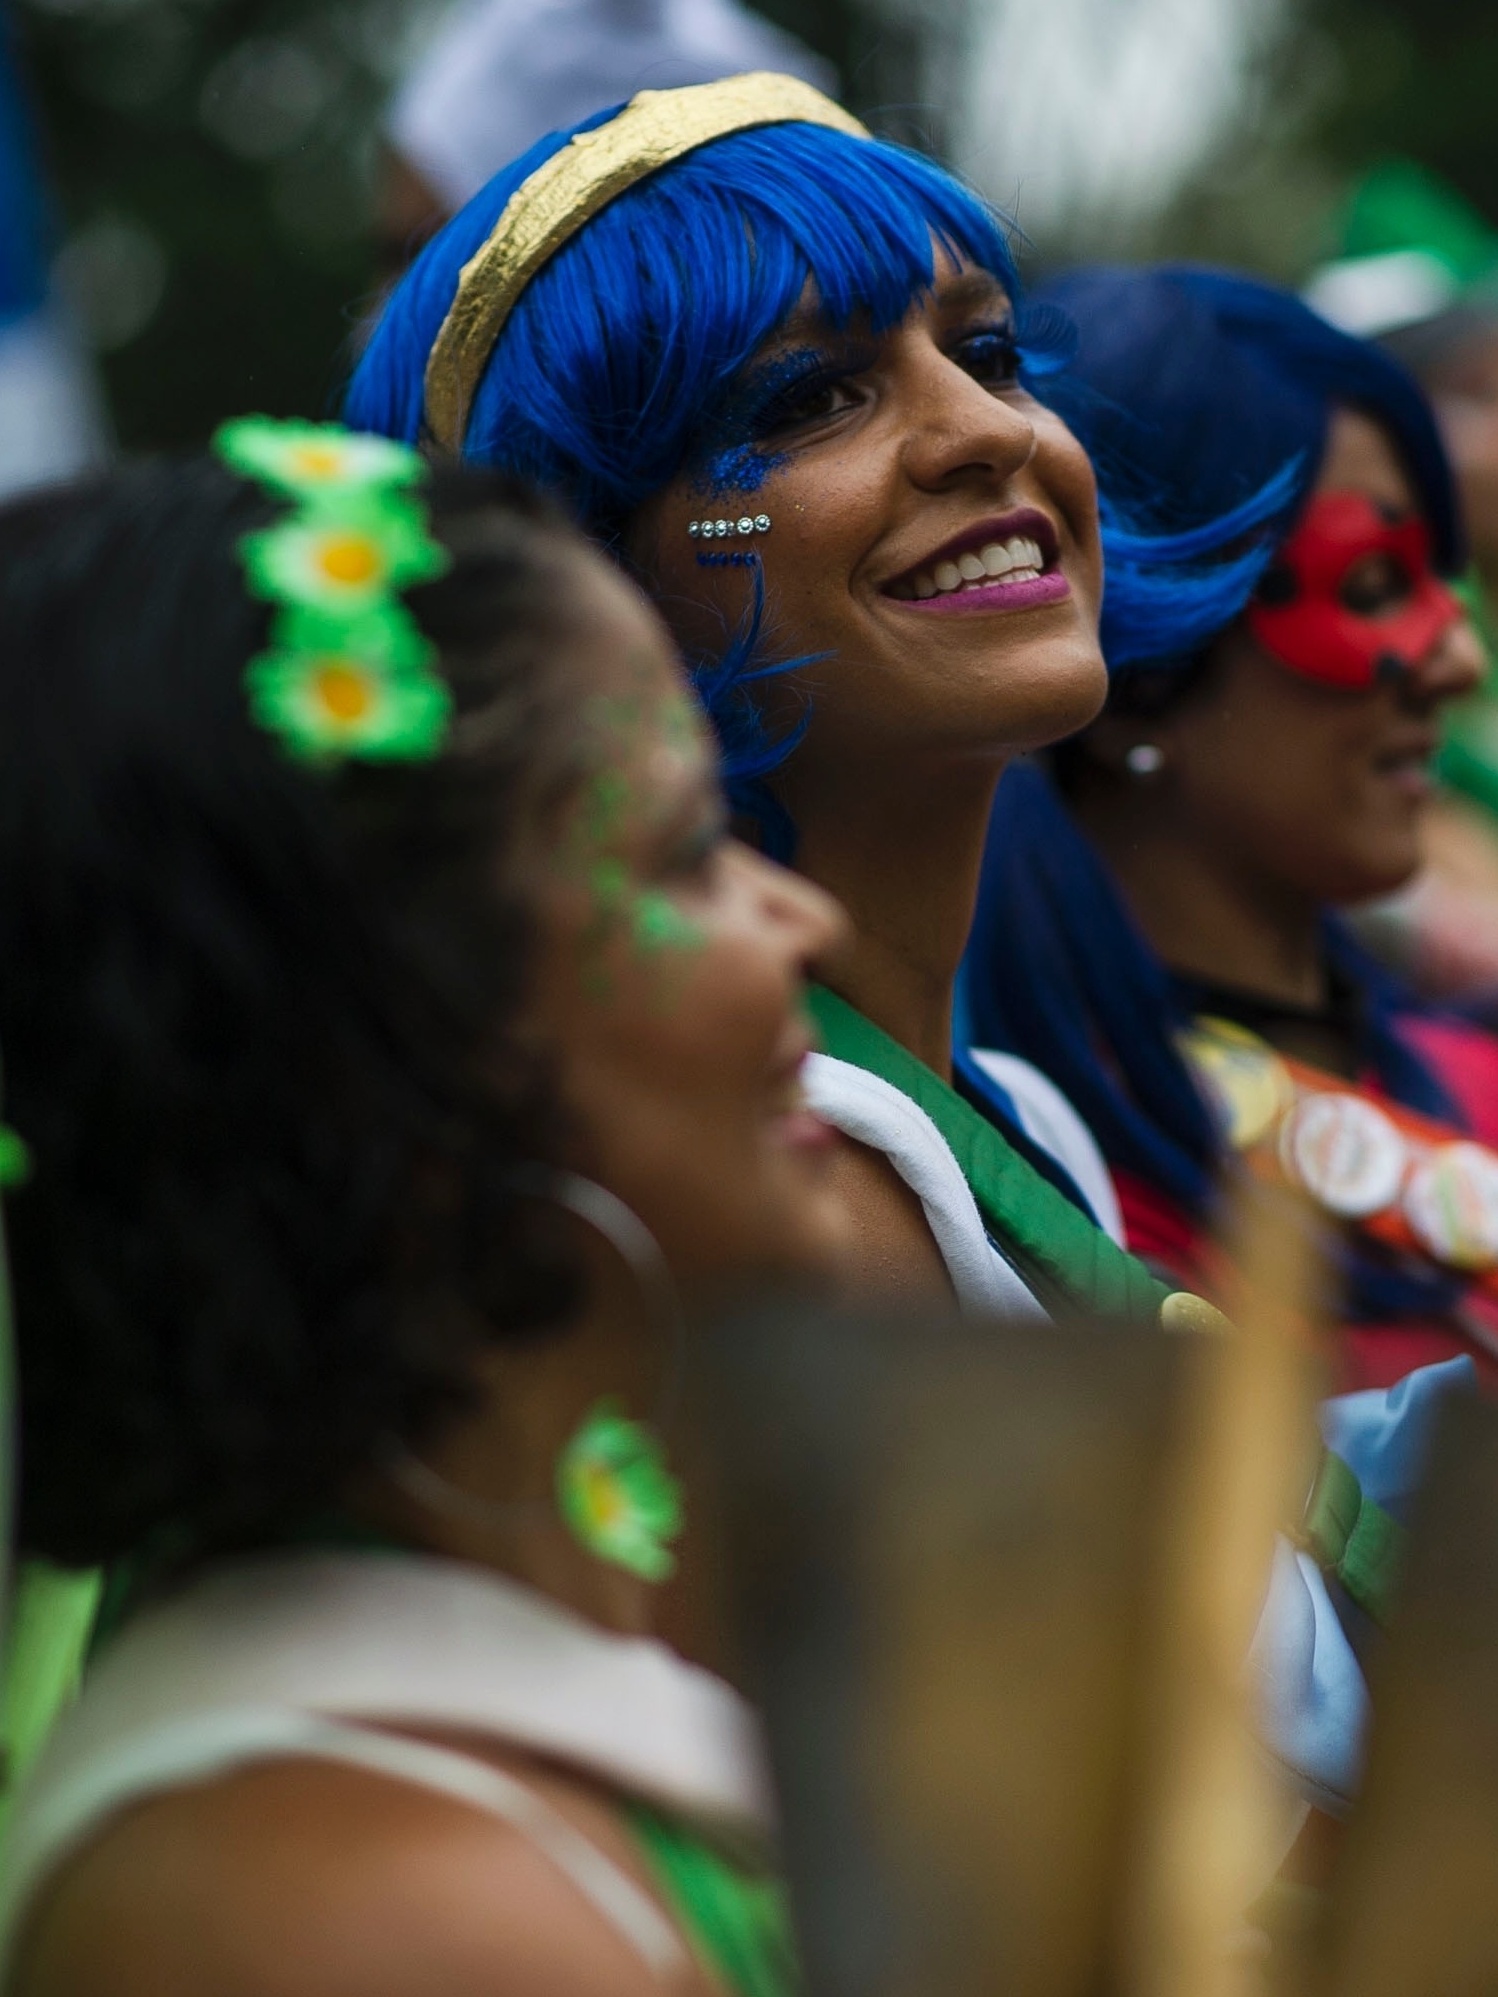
x,y
611,1486
636,1247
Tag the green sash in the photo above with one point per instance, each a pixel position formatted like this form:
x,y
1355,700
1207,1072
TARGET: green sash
x,y
737,1919
46,1641
1066,1259
1354,1540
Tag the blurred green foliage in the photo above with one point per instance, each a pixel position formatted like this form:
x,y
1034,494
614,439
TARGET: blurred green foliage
x,y
212,161
214,164
1415,77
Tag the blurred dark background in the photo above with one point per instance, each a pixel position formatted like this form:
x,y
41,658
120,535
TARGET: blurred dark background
x,y
215,165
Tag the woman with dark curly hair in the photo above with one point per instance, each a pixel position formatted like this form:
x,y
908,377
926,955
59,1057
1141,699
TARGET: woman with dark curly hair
x,y
401,1047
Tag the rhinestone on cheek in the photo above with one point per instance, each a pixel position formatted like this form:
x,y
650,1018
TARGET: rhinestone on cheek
x,y
762,523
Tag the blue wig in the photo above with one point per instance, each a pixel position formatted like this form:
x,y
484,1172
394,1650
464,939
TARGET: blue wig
x,y
1196,392
611,372
628,358
1200,394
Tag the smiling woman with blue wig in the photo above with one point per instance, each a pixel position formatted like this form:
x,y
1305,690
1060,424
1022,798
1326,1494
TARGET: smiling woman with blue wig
x,y
1157,927
784,372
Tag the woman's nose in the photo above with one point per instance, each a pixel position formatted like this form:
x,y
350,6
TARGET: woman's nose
x,y
957,425
1454,664
810,920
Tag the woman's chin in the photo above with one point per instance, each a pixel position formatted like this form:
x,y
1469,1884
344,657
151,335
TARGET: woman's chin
x,y
1373,876
1064,693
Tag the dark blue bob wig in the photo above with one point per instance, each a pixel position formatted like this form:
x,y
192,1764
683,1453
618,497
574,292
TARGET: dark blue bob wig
x,y
626,357
1193,390
1196,390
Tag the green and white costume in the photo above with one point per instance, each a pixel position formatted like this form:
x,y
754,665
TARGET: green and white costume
x,y
319,1654
1013,1244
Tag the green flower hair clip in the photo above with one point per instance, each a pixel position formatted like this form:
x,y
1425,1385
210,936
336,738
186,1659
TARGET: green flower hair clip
x,y
344,554
306,459
348,673
334,686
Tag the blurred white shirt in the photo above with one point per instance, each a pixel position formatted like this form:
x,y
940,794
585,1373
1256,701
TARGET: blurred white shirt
x,y
500,74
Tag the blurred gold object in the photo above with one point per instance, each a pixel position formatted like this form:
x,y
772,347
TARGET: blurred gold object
x,y
567,190
1415,1912
1184,1311
1216,1821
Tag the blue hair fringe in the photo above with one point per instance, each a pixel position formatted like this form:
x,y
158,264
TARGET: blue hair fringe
x,y
1166,595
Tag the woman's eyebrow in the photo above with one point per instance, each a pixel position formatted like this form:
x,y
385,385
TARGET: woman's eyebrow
x,y
970,289
967,291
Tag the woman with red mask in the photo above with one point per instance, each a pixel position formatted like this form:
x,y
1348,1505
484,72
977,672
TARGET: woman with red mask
x,y
1158,928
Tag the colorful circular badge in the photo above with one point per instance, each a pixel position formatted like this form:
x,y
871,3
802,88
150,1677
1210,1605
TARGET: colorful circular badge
x,y
1345,1153
1245,1079
1451,1204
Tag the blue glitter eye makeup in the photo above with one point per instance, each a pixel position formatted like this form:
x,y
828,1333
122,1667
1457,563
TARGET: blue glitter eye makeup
x,y
788,390
739,468
772,397
795,386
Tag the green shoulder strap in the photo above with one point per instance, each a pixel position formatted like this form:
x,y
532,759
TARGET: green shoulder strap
x,y
738,1920
45,1613
1066,1258
47,1638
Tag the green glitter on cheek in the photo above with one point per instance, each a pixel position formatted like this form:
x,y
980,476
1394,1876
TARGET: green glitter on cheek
x,y
647,919
656,923
608,887
680,723
605,802
608,881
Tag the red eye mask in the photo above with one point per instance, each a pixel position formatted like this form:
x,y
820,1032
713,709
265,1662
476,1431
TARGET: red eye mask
x,y
1298,613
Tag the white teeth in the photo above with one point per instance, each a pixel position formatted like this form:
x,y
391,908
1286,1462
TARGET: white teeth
x,y
1018,559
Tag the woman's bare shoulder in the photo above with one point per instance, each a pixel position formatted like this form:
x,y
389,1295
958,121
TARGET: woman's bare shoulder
x,y
893,1251
305,1879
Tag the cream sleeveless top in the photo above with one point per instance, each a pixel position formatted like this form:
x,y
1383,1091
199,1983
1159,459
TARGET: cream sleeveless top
x,y
309,1655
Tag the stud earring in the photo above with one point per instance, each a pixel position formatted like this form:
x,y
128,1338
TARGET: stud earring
x,y
720,530
1145,760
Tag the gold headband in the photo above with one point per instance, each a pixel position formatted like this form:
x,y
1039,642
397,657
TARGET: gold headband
x,y
549,207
